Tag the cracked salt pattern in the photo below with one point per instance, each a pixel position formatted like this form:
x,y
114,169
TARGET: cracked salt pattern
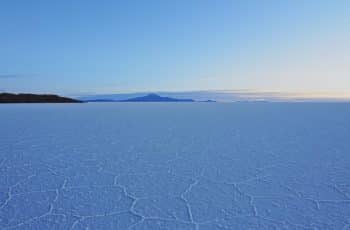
x,y
175,166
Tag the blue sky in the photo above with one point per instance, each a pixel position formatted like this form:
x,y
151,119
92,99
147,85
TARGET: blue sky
x,y
81,46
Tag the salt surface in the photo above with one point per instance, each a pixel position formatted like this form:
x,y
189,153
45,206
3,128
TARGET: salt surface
x,y
203,166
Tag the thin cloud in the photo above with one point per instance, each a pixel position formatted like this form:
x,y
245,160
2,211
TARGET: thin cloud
x,y
16,75
2,76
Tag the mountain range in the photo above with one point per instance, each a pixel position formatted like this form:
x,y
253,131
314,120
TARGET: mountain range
x,y
152,97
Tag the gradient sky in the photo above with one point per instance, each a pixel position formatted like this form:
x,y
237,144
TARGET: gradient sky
x,y
82,46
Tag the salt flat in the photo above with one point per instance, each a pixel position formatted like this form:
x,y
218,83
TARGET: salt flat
x,y
204,166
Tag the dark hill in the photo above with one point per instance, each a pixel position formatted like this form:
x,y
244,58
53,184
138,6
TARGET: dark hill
x,y
34,98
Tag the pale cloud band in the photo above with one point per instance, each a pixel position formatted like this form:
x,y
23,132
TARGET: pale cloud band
x,y
9,76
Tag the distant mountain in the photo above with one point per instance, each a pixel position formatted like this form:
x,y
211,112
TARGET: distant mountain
x,y
34,98
152,97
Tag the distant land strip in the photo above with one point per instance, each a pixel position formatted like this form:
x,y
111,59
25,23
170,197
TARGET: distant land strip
x,y
152,97
35,98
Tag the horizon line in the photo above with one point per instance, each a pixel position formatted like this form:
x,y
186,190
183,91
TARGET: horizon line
x,y
245,92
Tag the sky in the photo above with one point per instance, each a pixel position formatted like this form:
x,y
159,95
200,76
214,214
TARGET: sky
x,y
95,47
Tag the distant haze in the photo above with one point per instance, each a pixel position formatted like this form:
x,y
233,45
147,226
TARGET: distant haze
x,y
227,96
